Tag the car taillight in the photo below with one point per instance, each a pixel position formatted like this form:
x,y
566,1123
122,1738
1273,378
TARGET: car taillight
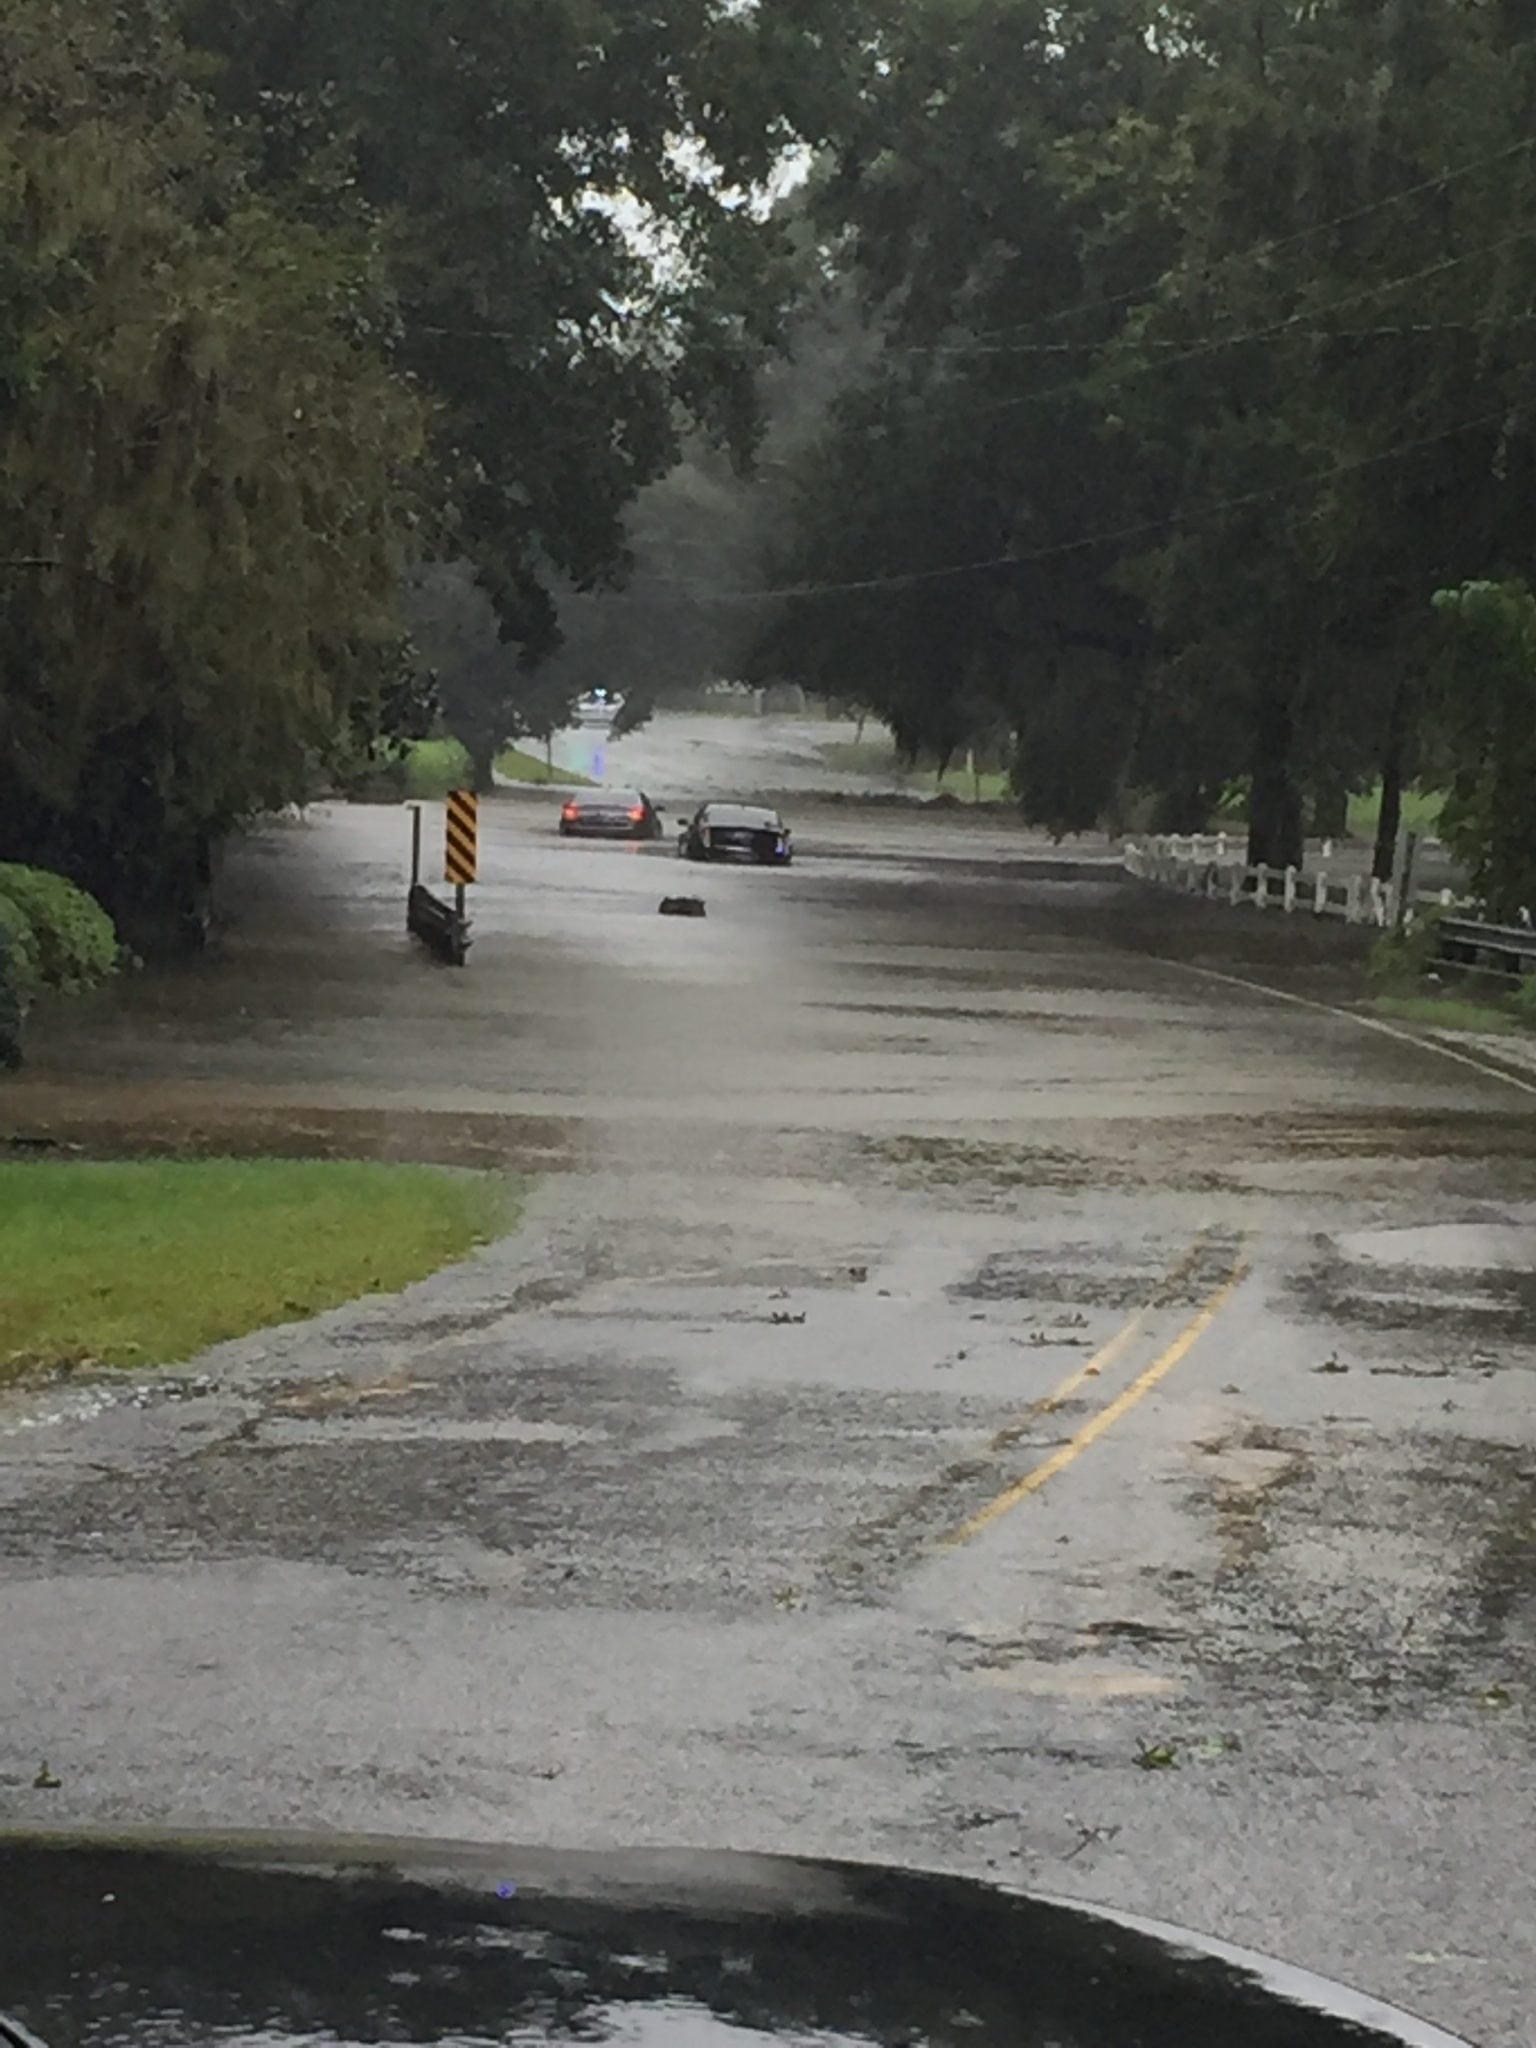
x,y
569,811
638,813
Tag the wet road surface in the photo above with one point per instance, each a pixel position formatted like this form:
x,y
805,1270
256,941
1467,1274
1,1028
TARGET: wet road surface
x,y
974,1390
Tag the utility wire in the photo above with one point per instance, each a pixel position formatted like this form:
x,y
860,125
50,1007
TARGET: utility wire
x,y
1290,323
1264,247
908,579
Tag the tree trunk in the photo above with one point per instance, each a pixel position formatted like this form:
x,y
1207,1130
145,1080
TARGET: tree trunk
x,y
1184,807
482,764
1329,808
1274,813
1384,859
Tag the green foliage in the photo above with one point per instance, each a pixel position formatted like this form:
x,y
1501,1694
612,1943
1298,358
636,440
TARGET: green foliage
x,y
297,296
202,441
1421,811
12,991
575,279
1400,960
1523,1002
427,769
23,970
1448,1012
1207,361
62,937
1486,710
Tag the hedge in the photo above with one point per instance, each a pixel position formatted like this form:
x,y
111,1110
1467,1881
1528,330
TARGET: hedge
x,y
10,993
52,936
60,936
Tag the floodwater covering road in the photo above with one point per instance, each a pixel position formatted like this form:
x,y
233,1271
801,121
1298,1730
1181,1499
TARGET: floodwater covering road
x,y
974,1389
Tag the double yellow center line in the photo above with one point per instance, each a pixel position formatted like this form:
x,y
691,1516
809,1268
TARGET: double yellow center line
x,y
1106,1417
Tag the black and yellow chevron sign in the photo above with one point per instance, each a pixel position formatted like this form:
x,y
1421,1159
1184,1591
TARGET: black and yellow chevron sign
x,y
463,836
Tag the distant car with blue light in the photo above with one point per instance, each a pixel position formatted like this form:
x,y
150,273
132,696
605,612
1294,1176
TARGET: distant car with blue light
x,y
599,707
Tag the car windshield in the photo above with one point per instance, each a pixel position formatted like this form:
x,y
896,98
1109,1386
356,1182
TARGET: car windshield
x,y
975,1310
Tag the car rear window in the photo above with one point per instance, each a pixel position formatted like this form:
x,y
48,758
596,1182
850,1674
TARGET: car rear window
x,y
741,814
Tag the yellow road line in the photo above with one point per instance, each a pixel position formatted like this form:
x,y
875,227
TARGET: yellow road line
x,y
1108,1352
1094,1428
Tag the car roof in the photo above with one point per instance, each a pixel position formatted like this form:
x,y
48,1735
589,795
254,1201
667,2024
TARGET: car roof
x,y
743,814
604,799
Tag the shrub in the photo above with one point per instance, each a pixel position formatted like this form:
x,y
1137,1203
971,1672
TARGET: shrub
x,y
1523,1002
19,944
11,999
1401,960
62,937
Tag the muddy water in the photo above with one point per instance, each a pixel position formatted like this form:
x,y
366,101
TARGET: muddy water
x,y
710,1510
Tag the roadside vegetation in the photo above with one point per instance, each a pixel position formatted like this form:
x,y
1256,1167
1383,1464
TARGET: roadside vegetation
x,y
433,767
1455,1012
53,937
1141,398
1410,983
427,769
1200,444
1420,811
321,375
880,756
141,1263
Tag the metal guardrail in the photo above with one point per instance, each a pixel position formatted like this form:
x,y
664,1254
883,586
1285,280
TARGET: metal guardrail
x,y
1208,867
438,925
1507,950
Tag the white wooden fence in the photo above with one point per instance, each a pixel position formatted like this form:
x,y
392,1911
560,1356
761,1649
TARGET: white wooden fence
x,y
1213,865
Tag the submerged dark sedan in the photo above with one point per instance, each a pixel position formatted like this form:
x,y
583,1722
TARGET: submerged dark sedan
x,y
292,1942
736,832
610,814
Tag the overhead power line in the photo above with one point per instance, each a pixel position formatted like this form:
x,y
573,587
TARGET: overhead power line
x,y
1141,529
1302,321
1265,246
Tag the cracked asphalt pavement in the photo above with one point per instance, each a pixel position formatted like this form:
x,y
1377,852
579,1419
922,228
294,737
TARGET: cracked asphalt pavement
x,y
974,1388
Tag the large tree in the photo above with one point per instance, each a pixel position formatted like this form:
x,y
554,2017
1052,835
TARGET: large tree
x,y
1209,359
205,472
582,266
309,299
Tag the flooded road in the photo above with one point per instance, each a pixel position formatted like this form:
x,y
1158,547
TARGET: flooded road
x,y
977,1388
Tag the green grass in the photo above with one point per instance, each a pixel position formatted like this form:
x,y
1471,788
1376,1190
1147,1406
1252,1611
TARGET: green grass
x,y
138,1263
518,766
1447,1013
1421,811
878,757
433,767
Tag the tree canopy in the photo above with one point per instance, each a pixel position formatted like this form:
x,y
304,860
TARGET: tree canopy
x,y
1125,381
203,480
1210,361
308,301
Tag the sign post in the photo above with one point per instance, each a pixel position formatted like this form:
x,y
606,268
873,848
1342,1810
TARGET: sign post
x,y
427,916
415,811
1405,880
